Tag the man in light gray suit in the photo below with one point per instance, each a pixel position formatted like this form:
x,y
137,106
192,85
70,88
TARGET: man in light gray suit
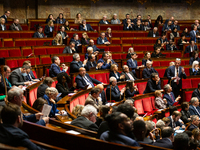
x,y
70,49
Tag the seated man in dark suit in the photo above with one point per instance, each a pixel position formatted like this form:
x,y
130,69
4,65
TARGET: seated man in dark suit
x,y
128,25
104,20
85,27
115,94
83,79
91,44
154,32
6,15
194,108
196,92
70,49
169,95
102,95
15,26
171,46
106,63
11,134
76,64
125,20
6,72
18,76
174,121
195,123
91,63
170,19
193,33
42,88
191,48
55,69
175,25
87,119
163,39
63,33
153,84
102,39
120,126
170,64
167,138
146,73
128,74
167,27
39,33
75,39
139,17
146,26
138,26
132,63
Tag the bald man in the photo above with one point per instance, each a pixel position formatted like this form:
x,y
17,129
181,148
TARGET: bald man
x,y
15,26
102,94
91,44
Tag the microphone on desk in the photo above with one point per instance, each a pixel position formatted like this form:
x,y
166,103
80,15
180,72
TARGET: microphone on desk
x,y
29,55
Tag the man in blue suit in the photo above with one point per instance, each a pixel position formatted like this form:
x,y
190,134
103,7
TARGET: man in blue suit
x,y
6,15
195,122
55,69
85,27
194,108
163,39
76,64
146,73
167,27
175,74
174,121
104,20
169,95
193,33
191,48
39,33
75,39
102,39
125,20
83,79
132,63
91,44
106,63
175,25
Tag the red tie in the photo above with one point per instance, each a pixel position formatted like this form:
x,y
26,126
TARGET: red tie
x,y
177,81
171,97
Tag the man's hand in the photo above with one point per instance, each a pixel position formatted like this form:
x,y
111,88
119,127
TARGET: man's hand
x,y
178,98
46,119
108,61
38,115
157,80
52,101
27,83
183,70
122,76
165,101
177,128
84,62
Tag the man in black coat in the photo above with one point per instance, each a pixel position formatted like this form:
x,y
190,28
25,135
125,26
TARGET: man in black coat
x,y
75,39
196,92
146,73
70,49
195,122
170,64
87,119
6,15
42,88
76,64
154,32
85,27
39,33
128,74
102,94
128,25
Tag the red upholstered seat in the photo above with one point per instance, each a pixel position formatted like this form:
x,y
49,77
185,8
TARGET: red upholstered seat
x,y
34,73
121,87
47,72
82,100
40,51
139,106
12,63
0,43
8,44
15,53
82,57
137,41
187,71
139,35
176,55
165,82
195,82
116,56
4,35
154,120
147,106
141,87
54,84
183,62
52,51
106,48
116,41
61,50
26,35
187,55
45,60
116,34
186,83
20,43
139,63
148,41
32,59
123,56
187,62
128,34
4,53
31,43
26,52
140,55
14,35
140,48
115,48
40,43
93,34
68,58
161,72
167,114
164,63
127,41
101,77
61,59
20,61
188,95
107,77
156,64
73,103
153,102
32,96
150,48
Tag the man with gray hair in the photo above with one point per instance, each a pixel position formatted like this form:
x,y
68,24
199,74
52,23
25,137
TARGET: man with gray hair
x,y
115,20
175,75
169,95
146,73
85,27
112,91
170,64
128,74
15,96
195,122
15,26
76,64
102,39
87,119
70,49
194,108
154,32
104,20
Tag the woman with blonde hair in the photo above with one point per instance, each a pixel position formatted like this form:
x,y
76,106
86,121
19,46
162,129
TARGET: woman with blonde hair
x,y
110,57
48,30
108,33
195,69
57,40
78,19
114,73
85,40
76,111
159,102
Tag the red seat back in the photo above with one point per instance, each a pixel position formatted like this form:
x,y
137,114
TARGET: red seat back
x,y
101,77
195,82
46,60
188,95
147,105
32,96
139,106
12,63
141,87
186,83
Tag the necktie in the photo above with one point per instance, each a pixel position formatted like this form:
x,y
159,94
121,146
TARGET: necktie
x,y
171,97
133,62
8,82
173,124
89,81
92,64
116,89
40,35
130,76
177,81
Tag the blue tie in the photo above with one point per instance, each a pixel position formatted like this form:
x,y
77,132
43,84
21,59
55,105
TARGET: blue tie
x,y
89,81
8,82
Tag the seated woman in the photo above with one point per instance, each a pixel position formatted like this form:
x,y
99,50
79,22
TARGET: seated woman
x,y
108,33
110,57
50,96
158,44
195,57
185,32
147,56
85,40
39,103
67,27
174,33
50,17
130,50
78,19
185,114
159,102
57,40
159,21
48,30
76,111
131,89
156,53
114,73
60,19
62,85
182,41
195,69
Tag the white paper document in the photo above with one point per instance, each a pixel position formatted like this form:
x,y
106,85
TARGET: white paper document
x,y
73,132
46,110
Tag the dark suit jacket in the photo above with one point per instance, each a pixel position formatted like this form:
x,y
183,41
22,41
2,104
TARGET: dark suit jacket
x,y
47,31
89,28
192,59
151,34
141,28
36,35
177,26
16,77
101,22
196,93
144,61
41,90
125,21
54,70
169,99
177,123
146,73
81,82
65,34
112,74
105,65
76,43
193,111
99,40
194,73
89,65
32,76
192,127
12,27
130,28
162,41
127,77
115,95
192,35
171,73
47,20
131,65
64,90
94,48
131,94
2,86
165,142
58,21
165,26
84,42
4,27
67,50
3,16
128,56
168,47
152,86
185,115
74,66
165,75
188,49
103,97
